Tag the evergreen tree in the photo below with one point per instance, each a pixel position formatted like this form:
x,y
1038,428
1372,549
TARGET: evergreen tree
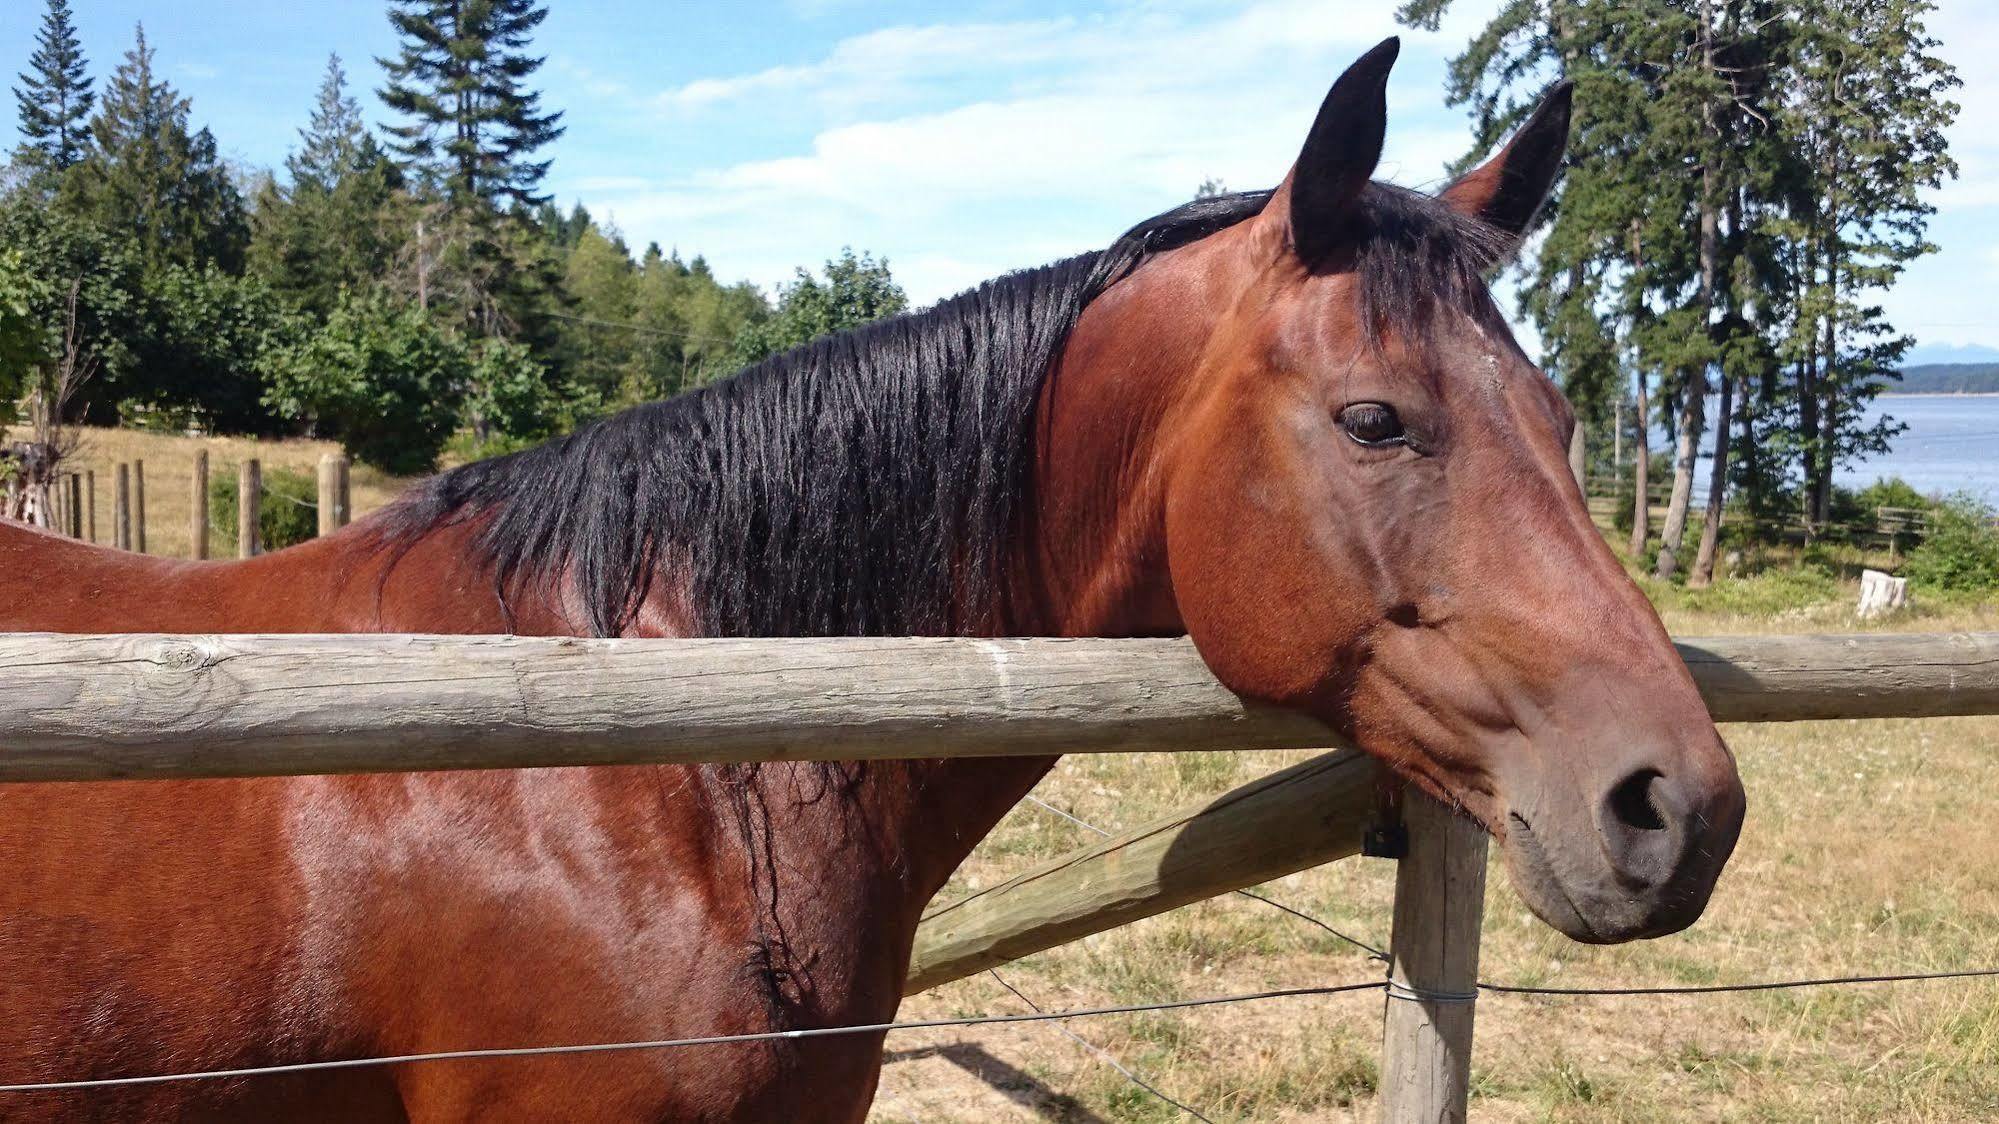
x,y
152,180
473,127
1865,109
55,95
338,224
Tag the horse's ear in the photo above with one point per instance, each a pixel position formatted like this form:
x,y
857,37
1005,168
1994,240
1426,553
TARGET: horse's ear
x,y
1506,191
1339,155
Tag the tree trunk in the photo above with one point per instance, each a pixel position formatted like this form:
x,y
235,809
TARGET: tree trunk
x,y
1641,451
1717,490
1686,450
1694,405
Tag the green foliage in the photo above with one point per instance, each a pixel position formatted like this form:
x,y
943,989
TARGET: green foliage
x,y
510,393
338,224
1961,551
1890,491
856,290
150,179
27,342
213,339
1764,594
380,376
285,516
54,95
59,252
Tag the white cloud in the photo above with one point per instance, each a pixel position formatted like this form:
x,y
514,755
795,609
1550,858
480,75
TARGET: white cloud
x,y
961,150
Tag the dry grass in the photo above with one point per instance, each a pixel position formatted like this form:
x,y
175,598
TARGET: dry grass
x,y
169,466
1868,848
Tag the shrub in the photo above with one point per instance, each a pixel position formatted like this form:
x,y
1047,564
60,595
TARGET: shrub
x,y
1960,553
285,519
382,376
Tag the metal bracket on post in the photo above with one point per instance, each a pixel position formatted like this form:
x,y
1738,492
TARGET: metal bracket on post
x,y
1386,837
1433,966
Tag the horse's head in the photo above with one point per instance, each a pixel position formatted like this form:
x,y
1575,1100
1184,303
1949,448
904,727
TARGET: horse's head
x,y
1368,513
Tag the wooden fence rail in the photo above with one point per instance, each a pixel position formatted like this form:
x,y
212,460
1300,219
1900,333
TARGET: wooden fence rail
x,y
102,707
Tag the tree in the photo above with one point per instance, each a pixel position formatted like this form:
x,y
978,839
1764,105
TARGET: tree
x,y
1866,106
382,377
153,181
473,127
599,343
337,225
55,95
857,289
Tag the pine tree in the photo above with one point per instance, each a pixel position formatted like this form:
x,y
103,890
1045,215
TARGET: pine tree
x,y
337,225
149,178
473,127
1866,109
55,95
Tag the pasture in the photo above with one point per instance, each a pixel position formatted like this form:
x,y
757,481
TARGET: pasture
x,y
1868,849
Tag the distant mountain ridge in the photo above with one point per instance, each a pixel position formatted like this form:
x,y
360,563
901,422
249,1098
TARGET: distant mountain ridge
x,y
1947,378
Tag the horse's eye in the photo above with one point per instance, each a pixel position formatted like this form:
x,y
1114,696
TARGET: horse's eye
x,y
1371,423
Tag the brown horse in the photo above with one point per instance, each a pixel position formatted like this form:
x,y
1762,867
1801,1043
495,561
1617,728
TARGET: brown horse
x,y
1291,424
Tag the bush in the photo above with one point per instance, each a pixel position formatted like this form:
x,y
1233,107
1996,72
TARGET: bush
x,y
381,376
1960,553
289,515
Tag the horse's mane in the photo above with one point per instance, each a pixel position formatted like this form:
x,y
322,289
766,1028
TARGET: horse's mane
x,y
866,483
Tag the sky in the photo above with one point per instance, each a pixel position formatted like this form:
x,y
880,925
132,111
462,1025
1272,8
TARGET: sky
x,y
957,140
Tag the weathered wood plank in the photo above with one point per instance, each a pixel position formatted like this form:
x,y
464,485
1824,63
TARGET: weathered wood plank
x,y
84,708
1300,817
1864,675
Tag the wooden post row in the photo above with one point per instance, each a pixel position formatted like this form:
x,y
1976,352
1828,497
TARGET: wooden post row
x,y
121,509
249,505
197,521
139,505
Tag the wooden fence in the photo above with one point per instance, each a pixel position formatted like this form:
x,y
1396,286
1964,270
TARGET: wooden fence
x,y
104,707
75,504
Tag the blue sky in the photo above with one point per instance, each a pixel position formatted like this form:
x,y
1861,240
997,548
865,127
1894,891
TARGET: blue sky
x,y
959,140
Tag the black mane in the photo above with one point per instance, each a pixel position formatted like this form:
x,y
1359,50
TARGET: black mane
x,y
866,483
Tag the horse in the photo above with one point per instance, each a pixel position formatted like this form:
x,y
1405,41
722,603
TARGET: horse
x,y
1291,424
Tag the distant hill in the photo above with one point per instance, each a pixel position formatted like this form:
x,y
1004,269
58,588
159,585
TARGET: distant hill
x,y
1948,378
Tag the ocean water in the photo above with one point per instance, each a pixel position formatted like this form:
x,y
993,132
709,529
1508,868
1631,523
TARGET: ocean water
x,y
1951,445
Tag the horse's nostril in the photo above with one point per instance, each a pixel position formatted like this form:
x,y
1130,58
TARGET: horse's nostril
x,y
1631,802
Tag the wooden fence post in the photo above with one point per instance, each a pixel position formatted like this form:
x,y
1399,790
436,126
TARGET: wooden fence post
x,y
249,505
197,522
121,509
139,505
75,505
1433,975
332,493
1579,457
58,518
90,503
